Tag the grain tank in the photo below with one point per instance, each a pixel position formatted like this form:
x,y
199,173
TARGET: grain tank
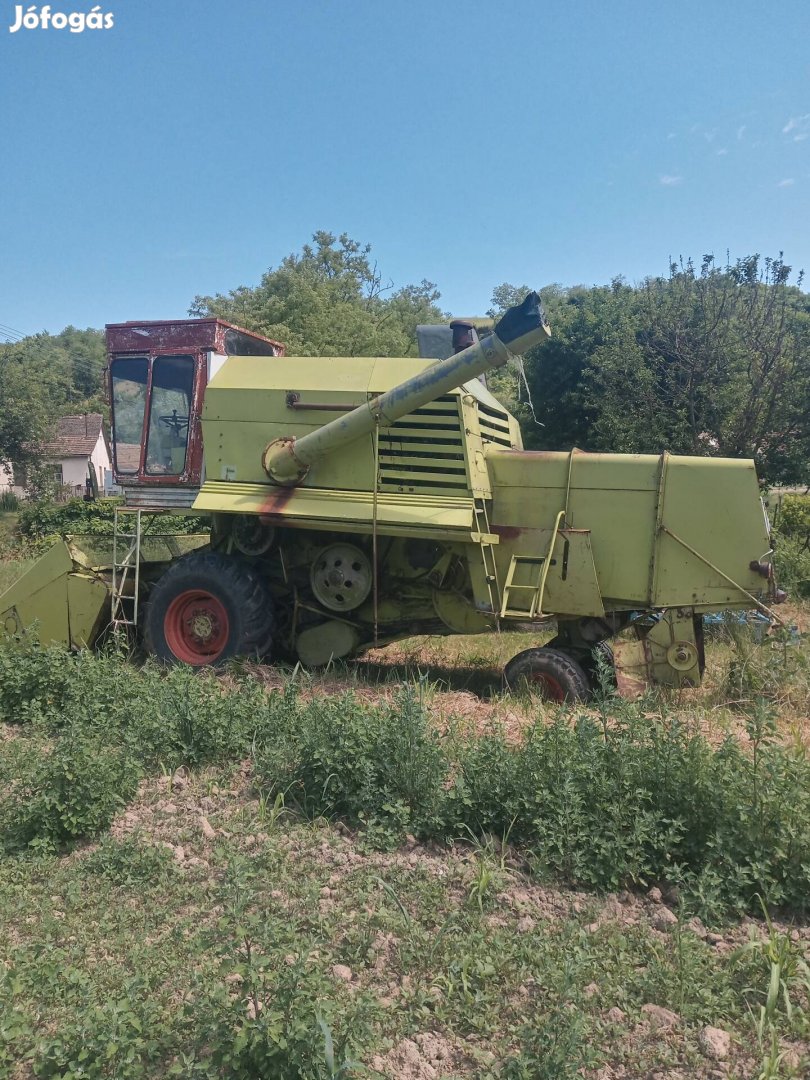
x,y
356,501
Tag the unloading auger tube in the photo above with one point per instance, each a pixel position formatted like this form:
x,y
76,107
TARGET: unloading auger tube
x,y
287,460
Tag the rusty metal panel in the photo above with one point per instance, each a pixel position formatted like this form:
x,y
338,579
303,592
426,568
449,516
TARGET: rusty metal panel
x,y
177,335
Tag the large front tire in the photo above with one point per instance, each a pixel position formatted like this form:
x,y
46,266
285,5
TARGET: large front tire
x,y
207,608
553,674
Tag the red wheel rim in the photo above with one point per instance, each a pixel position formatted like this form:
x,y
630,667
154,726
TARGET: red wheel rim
x,y
196,627
548,687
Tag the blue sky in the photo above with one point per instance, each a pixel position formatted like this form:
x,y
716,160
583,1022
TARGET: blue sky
x,y
196,143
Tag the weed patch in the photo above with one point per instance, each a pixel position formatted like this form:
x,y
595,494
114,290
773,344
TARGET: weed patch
x,y
381,767
129,863
621,798
72,792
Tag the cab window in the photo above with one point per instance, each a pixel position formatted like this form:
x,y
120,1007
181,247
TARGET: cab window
x,y
169,414
129,376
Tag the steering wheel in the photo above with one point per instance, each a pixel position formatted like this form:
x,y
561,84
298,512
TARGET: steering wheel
x,y
176,424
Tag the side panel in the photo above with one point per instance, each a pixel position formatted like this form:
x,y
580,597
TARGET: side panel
x,y
249,406
665,531
88,601
61,604
449,518
612,496
233,452
712,507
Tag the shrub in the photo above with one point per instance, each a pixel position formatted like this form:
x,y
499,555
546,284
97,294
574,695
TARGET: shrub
x,y
381,766
9,503
285,1036
792,561
577,796
646,800
554,1048
119,1038
791,537
792,517
756,672
33,680
41,519
72,792
171,717
168,718
129,862
604,801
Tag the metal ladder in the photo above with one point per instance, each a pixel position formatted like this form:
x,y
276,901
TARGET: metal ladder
x,y
482,535
126,568
536,587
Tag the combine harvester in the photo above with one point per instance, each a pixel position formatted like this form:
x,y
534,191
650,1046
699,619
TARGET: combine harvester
x,y
354,502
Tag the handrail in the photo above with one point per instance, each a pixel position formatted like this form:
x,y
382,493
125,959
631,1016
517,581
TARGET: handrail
x,y
547,563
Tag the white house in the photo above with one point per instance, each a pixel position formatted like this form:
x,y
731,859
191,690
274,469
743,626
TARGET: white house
x,y
6,477
78,443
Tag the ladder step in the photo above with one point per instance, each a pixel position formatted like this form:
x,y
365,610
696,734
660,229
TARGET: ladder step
x,y
125,567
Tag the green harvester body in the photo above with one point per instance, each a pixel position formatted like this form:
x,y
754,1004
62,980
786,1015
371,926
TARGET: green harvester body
x,y
381,498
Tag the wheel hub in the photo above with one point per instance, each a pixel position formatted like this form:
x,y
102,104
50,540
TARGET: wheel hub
x,y
682,655
202,625
341,577
548,687
197,627
251,536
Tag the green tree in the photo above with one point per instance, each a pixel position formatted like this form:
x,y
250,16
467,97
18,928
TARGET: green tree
x,y
31,392
329,300
557,416
42,377
719,365
710,360
84,353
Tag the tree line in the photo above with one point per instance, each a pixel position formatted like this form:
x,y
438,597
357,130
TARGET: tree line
x,y
42,377
707,359
711,360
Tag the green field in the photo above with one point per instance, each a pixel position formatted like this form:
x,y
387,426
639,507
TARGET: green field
x,y
391,869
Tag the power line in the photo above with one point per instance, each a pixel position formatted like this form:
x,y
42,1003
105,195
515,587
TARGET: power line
x,y
10,329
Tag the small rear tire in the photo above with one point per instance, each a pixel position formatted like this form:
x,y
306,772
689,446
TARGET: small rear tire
x,y
206,609
551,673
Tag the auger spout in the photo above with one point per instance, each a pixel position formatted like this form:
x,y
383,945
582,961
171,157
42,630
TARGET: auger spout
x,y
287,460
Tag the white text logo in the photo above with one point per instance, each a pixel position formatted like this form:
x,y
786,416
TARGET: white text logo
x,y
43,18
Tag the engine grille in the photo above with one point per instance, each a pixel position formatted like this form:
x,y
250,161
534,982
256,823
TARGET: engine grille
x,y
494,425
424,450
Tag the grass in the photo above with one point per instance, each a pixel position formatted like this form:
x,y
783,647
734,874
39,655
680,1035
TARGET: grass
x,y
164,949
8,523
